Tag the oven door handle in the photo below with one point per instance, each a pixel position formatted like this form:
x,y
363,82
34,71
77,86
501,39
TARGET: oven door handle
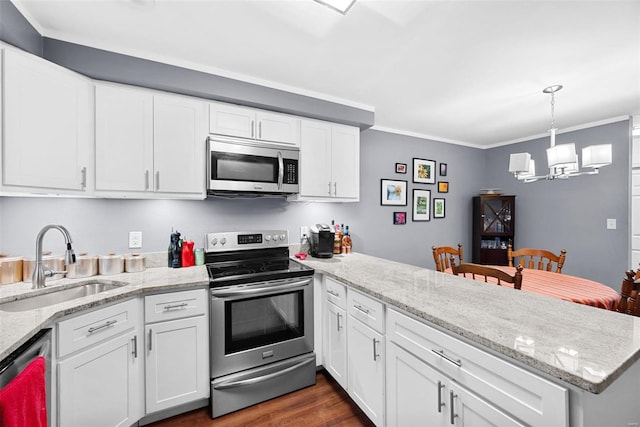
x,y
240,383
258,290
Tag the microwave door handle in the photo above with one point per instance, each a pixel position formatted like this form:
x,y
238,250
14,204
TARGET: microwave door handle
x,y
280,170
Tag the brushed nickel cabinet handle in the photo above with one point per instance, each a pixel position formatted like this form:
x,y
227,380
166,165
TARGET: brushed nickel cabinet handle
x,y
105,325
440,353
157,180
441,404
150,335
135,347
146,180
452,397
83,182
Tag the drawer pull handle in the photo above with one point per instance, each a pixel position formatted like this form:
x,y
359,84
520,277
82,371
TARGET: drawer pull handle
x,y
360,308
97,328
176,306
334,293
452,397
440,353
441,404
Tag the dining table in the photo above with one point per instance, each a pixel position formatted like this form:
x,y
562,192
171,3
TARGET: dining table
x,y
562,286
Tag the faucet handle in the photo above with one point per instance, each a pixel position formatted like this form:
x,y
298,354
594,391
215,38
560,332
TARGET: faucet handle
x,y
51,273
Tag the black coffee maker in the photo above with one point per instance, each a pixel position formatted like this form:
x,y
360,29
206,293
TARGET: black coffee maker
x,y
321,241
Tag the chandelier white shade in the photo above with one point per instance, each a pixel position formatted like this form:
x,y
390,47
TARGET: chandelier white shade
x,y
562,159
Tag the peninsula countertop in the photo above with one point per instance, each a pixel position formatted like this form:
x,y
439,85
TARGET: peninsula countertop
x,y
584,346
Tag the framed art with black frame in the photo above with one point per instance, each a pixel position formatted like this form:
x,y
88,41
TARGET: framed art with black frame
x,y
438,208
393,192
424,171
421,205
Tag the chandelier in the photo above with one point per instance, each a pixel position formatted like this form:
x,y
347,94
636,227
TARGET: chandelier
x,y
562,159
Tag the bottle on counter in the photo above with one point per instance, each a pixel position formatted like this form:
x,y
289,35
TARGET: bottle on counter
x,y
175,250
337,240
346,241
188,258
305,246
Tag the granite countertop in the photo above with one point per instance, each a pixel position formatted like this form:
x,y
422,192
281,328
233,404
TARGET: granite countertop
x,y
584,346
17,327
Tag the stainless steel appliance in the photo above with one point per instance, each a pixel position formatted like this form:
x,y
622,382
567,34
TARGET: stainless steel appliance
x,y
261,319
12,365
241,166
322,237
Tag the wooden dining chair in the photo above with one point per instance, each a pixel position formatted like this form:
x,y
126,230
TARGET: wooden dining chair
x,y
536,258
441,256
628,302
474,270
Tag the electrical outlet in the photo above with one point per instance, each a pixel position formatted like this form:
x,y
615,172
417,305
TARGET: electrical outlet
x,y
135,239
611,224
304,229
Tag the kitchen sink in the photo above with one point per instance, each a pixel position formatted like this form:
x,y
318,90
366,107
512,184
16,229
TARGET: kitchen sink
x,y
55,296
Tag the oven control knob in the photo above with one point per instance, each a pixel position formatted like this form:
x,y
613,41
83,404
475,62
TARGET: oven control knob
x,y
267,237
282,237
214,241
223,241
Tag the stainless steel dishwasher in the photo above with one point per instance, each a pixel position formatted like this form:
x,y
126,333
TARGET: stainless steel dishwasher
x,y
12,365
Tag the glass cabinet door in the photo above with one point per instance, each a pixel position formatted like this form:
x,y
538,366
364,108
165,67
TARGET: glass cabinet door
x,y
497,216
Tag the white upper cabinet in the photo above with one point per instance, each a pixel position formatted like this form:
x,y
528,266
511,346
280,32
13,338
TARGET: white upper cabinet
x,y
329,161
47,121
245,122
149,143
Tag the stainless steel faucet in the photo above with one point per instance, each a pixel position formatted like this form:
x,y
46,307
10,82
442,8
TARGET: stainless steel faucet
x,y
39,273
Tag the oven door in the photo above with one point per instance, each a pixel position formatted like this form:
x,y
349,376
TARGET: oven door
x,y
260,323
251,167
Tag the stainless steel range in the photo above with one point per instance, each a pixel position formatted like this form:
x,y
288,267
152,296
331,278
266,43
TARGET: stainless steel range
x,y
261,319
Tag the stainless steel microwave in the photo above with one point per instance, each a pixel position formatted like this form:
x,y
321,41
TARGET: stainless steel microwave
x,y
251,167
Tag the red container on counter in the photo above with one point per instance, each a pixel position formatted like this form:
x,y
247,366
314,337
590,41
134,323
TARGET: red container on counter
x,y
188,257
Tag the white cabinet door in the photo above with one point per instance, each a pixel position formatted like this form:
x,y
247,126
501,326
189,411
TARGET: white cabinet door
x,y
467,409
335,343
231,120
278,128
329,161
179,145
124,139
366,369
315,156
177,362
101,386
416,392
47,124
345,161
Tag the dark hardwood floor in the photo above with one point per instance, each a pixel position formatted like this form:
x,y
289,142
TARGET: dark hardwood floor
x,y
324,404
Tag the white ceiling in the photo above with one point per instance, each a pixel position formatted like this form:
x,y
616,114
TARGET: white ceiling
x,y
469,72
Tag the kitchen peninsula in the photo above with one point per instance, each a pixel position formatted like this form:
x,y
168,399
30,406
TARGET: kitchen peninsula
x,y
590,352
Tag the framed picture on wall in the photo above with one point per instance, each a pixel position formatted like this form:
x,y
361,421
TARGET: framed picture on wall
x,y
438,208
424,171
401,168
393,192
421,205
399,218
443,169
443,187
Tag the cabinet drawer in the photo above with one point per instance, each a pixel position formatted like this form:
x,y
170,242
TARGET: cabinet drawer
x,y
366,309
336,292
175,305
521,393
93,327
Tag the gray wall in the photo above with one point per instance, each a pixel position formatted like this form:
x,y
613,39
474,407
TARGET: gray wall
x,y
99,226
572,213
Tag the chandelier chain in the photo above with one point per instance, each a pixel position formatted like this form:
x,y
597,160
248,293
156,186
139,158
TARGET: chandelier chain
x,y
553,104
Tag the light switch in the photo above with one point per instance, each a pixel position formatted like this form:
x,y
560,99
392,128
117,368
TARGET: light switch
x,y
611,224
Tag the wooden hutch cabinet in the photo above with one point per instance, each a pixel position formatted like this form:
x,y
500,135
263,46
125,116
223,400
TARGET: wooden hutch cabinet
x,y
493,228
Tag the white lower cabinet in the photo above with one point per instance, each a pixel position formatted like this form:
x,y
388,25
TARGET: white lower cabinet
x,y
366,354
176,349
417,394
436,379
100,377
335,342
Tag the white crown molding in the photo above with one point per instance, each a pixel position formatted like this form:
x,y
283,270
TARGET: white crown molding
x,y
424,136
